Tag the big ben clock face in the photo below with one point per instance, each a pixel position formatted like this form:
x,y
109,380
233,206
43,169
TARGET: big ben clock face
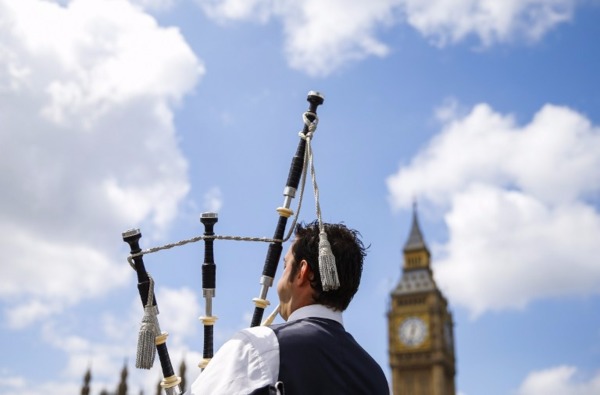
x,y
413,331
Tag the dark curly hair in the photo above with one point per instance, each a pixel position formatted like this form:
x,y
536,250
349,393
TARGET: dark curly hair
x,y
349,253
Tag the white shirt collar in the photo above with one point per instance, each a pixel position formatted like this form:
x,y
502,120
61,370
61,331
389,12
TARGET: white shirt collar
x,y
316,310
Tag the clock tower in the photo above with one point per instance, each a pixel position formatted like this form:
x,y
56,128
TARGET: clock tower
x,y
421,345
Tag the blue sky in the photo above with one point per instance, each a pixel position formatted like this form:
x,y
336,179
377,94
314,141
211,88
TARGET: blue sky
x,y
119,114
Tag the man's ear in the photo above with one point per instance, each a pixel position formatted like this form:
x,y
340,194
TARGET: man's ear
x,y
305,274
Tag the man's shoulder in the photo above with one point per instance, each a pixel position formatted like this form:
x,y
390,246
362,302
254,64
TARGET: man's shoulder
x,y
249,360
257,335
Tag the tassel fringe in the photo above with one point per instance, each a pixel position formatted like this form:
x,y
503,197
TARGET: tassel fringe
x,y
149,329
146,347
327,268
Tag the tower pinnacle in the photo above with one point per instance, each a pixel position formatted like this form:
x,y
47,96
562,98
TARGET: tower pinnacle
x,y
415,239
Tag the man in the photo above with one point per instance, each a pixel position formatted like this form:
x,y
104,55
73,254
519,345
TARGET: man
x,y
311,353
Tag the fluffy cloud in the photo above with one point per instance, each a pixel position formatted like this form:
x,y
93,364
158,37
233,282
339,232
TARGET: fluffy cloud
x,y
561,380
179,308
313,43
451,21
224,10
86,98
179,312
213,200
323,35
518,200
155,5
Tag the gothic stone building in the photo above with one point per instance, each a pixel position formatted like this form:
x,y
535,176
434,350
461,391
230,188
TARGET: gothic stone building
x,y
421,346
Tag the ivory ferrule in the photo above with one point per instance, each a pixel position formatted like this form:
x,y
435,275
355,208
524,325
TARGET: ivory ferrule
x,y
261,302
208,320
285,212
204,363
161,339
171,385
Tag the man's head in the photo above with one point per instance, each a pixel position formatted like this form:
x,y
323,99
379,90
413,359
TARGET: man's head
x,y
301,272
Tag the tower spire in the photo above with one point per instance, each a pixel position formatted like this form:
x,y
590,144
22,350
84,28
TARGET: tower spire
x,y
85,390
122,388
415,238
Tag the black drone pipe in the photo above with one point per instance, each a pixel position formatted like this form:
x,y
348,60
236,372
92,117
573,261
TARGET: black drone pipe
x,y
170,382
209,271
274,252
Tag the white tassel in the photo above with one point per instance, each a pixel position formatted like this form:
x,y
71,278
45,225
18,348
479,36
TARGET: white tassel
x,y
327,268
146,347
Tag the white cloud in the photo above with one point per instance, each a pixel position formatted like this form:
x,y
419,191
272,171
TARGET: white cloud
x,y
24,388
507,248
45,276
14,383
112,341
323,35
179,312
179,308
315,43
555,157
451,21
89,149
517,201
224,10
213,200
155,5
560,380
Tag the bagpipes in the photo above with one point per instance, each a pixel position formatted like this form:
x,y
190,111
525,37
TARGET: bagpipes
x,y
152,340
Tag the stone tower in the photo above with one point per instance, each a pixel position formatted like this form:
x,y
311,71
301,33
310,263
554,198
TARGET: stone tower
x,y
421,345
